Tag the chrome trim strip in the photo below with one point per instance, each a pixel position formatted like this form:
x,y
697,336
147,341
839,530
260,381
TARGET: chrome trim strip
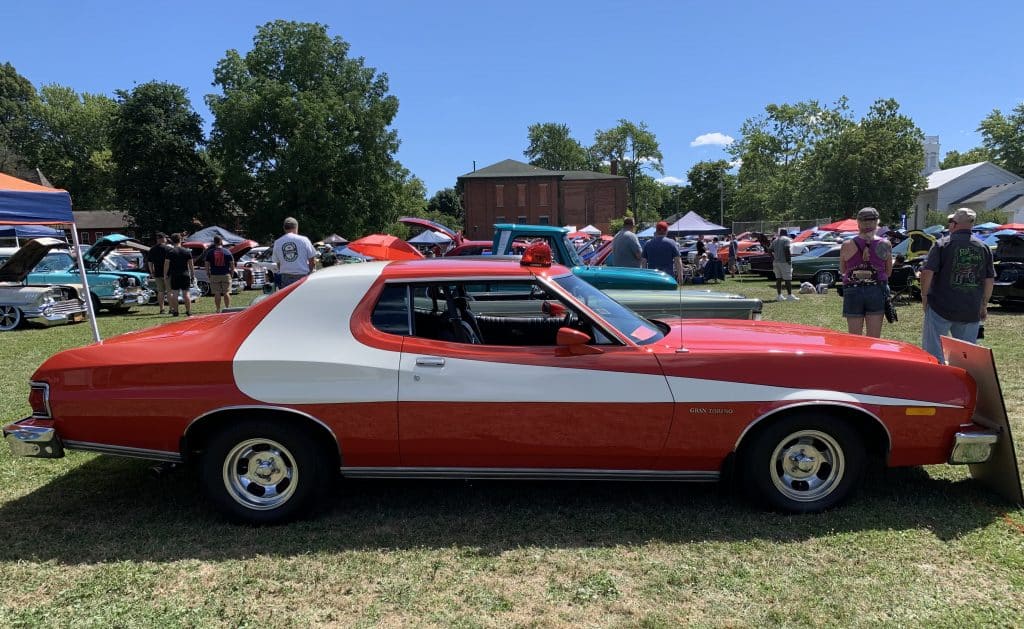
x,y
259,407
529,473
46,398
125,451
888,435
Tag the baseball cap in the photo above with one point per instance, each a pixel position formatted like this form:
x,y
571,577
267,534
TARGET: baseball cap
x,y
662,226
867,214
963,216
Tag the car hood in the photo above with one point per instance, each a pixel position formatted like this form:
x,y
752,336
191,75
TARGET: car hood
x,y
618,277
19,265
243,248
1010,248
106,245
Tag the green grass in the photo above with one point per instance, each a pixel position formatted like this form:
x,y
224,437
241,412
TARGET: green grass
x,y
96,541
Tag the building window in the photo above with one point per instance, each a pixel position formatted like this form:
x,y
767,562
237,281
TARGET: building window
x,y
521,194
499,219
542,192
99,235
543,219
84,237
520,219
499,196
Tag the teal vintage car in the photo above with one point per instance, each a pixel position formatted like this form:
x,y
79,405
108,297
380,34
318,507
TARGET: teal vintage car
x,y
109,288
603,277
818,266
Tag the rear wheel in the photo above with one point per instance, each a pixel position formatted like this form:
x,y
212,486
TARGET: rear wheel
x,y
204,287
10,317
264,472
825,277
803,463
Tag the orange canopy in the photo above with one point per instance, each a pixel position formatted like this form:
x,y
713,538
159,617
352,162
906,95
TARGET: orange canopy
x,y
847,225
1014,226
384,247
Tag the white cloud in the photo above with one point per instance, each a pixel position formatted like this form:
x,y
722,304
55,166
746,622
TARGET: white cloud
x,y
736,163
670,181
712,139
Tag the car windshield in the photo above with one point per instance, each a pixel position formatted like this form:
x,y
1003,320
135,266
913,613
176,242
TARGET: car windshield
x,y
817,253
639,330
55,261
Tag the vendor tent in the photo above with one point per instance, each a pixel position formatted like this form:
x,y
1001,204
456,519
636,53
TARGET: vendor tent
x,y
693,223
30,231
590,229
429,238
335,239
845,225
25,203
206,235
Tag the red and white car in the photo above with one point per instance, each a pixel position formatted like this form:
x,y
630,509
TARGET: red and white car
x,y
384,370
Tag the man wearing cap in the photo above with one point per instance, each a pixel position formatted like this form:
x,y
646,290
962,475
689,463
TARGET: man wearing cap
x,y
155,263
294,254
625,246
865,264
662,253
956,284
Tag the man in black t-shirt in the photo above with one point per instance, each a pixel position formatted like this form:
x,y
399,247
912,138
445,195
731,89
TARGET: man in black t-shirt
x,y
179,272
155,264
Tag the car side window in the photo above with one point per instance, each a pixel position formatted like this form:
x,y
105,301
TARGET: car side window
x,y
391,314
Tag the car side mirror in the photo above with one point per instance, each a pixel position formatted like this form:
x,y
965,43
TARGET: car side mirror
x,y
572,342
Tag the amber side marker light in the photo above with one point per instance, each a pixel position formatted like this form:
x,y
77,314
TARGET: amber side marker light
x,y
920,410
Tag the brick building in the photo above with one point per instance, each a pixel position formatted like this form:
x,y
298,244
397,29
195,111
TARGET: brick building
x,y
514,192
94,224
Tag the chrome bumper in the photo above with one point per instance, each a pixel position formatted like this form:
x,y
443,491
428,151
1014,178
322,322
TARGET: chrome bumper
x,y
33,441
973,447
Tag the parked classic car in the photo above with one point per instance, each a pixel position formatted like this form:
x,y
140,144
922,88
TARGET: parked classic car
x,y
414,384
818,266
198,250
110,288
1009,262
21,301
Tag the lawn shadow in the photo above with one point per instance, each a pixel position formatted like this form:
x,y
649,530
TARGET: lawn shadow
x,y
109,509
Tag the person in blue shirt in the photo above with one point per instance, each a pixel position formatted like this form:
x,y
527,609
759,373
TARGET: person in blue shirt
x,y
662,253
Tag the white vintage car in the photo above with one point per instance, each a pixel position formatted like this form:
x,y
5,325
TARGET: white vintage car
x,y
20,301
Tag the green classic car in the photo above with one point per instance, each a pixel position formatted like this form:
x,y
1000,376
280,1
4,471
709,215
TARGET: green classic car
x,y
818,266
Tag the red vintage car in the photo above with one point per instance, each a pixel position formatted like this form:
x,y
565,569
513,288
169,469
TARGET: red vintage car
x,y
384,370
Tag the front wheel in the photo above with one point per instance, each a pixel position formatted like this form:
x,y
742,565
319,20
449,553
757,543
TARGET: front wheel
x,y
803,463
10,317
264,472
204,287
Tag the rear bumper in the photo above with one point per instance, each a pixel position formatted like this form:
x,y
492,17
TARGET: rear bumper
x,y
33,441
973,447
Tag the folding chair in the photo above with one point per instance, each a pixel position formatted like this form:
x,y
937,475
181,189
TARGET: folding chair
x,y
903,284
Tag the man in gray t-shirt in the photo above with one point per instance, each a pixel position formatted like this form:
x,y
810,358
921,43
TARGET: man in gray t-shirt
x,y
625,246
956,284
783,265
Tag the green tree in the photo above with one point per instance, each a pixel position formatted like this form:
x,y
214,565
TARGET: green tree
x,y
553,147
73,144
17,140
711,189
1003,138
303,129
163,178
635,148
972,156
448,203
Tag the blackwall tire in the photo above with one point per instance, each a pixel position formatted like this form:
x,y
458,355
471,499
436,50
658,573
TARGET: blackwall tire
x,y
265,472
803,463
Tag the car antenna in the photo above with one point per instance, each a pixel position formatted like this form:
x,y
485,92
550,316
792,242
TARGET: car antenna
x,y
681,350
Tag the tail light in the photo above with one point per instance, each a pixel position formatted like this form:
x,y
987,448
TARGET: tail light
x,y
39,400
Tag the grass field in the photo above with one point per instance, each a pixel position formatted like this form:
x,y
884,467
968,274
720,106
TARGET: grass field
x,y
98,541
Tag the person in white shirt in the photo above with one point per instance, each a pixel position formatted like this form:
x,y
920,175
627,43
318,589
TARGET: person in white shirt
x,y
294,254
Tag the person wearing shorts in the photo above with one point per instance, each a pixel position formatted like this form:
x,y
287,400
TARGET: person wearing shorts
x,y
783,265
220,266
155,263
865,263
179,272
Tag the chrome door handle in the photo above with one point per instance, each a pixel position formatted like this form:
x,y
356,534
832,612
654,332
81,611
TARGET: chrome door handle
x,y
429,361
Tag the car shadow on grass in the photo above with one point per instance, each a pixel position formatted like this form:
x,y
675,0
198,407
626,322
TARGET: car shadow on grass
x,y
110,509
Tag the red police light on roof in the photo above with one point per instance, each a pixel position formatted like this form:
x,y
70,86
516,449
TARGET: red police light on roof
x,y
537,254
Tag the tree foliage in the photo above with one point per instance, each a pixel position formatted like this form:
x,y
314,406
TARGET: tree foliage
x,y
711,189
303,129
972,156
448,204
72,144
635,148
163,179
17,97
1003,138
553,147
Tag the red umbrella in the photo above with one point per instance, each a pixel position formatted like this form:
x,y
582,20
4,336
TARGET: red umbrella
x,y
384,247
1014,226
848,225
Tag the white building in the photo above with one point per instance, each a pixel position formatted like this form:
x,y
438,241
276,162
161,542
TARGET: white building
x,y
981,186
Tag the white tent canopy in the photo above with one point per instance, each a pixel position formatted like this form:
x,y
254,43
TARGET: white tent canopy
x,y
590,229
429,238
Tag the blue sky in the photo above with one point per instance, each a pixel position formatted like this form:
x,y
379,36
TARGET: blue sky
x,y
472,76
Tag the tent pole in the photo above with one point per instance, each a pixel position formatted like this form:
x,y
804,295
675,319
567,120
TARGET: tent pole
x,y
85,284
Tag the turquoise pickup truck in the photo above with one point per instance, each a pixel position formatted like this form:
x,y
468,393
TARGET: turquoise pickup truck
x,y
603,277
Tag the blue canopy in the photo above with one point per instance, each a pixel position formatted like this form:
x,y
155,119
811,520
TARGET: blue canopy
x,y
30,231
985,226
25,203
429,238
206,235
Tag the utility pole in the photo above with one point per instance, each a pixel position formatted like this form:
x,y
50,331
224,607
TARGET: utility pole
x,y
721,200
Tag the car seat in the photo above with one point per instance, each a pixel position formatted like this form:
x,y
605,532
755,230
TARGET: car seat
x,y
469,318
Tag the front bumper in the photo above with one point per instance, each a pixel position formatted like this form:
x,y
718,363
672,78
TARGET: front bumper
x,y
33,441
56,312
973,447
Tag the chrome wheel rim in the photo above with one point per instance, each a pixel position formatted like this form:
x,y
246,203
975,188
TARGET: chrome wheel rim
x,y
826,277
260,474
10,317
807,465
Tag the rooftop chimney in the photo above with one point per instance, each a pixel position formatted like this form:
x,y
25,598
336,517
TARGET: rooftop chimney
x,y
615,166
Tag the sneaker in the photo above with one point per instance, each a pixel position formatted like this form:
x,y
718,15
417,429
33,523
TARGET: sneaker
x,y
780,298
792,297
